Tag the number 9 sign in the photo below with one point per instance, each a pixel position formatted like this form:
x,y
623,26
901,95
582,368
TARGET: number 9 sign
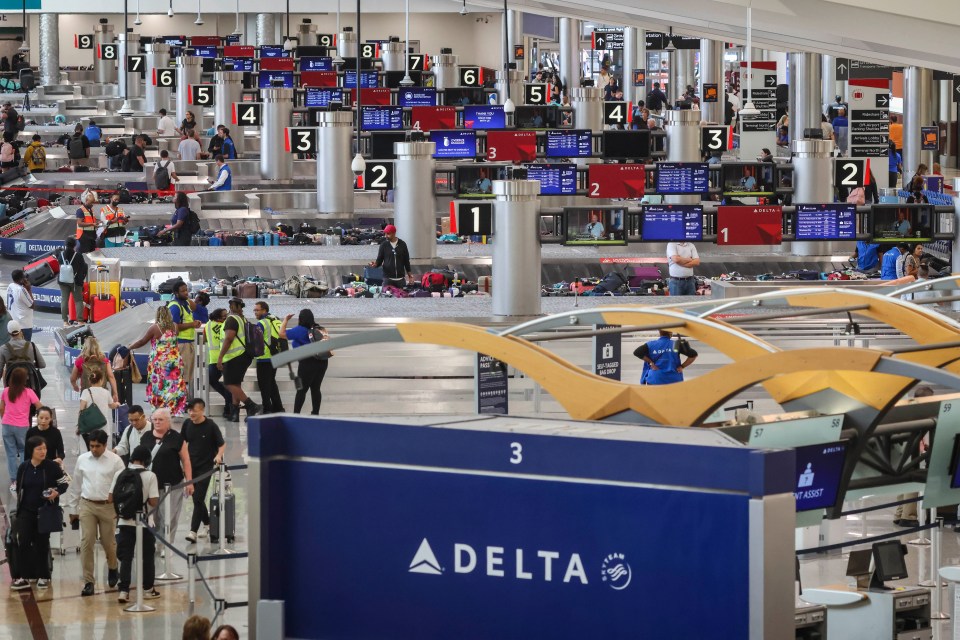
x,y
83,41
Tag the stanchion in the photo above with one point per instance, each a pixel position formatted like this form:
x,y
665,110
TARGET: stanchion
x,y
167,527
921,540
952,575
861,504
191,580
222,507
139,607
937,613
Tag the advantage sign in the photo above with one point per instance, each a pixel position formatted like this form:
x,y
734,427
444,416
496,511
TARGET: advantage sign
x,y
301,140
247,114
519,52
490,385
617,113
639,77
607,40
137,64
201,95
849,173
749,225
378,175
536,93
470,77
607,352
165,78
83,41
107,51
474,218
714,139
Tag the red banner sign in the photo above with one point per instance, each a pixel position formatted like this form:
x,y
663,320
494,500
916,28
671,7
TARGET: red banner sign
x,y
749,225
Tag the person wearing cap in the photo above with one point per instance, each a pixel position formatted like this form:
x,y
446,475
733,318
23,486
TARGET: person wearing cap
x,y
394,258
87,222
234,361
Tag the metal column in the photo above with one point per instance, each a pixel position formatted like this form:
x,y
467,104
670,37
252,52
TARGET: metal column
x,y
49,48
587,103
805,97
414,208
828,81
347,44
685,73
516,248
307,33
105,71
189,69
570,53
516,87
444,68
275,162
683,143
514,26
711,72
812,184
917,112
393,56
947,113
334,177
157,57
228,90
634,57
266,29
130,83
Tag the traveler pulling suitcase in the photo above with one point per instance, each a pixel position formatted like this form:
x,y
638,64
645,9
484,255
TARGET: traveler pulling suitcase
x,y
102,304
231,514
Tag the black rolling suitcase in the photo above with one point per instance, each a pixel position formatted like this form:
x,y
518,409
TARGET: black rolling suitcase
x,y
11,549
231,515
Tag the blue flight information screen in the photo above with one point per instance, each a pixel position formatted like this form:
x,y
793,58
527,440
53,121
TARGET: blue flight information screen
x,y
575,143
672,223
205,51
417,97
238,64
266,79
321,96
381,118
316,63
836,221
818,472
273,52
484,117
555,179
454,144
680,178
368,79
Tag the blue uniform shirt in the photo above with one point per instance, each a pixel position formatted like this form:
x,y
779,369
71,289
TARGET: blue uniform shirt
x,y
667,360
888,270
867,255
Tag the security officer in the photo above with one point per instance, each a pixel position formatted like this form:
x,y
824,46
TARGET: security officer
x,y
87,223
115,221
266,374
181,308
661,359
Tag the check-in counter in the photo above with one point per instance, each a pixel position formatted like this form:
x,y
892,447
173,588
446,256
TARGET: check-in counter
x,y
58,92
219,200
76,76
248,171
96,90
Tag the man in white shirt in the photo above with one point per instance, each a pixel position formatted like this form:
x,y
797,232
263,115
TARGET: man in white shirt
x,y
127,528
683,257
88,500
20,302
166,126
189,148
130,439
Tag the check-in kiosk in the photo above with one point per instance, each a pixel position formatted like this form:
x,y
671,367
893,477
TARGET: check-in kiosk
x,y
811,622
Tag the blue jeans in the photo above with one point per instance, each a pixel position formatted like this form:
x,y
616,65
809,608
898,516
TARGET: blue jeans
x,y
14,441
681,287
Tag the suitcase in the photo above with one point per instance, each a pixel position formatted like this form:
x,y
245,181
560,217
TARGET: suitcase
x,y
485,284
39,273
230,512
134,284
373,275
103,303
157,279
216,242
285,229
72,311
247,289
51,260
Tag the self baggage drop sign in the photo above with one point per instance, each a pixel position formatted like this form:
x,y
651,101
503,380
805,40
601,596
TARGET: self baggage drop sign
x,y
607,362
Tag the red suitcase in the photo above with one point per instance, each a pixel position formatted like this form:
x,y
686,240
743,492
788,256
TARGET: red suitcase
x,y
51,260
102,305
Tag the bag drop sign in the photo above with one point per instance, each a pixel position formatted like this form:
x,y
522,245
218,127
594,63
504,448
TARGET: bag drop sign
x,y
606,352
490,385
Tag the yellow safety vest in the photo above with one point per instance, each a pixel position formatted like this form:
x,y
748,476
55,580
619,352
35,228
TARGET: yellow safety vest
x,y
214,335
238,346
271,330
186,315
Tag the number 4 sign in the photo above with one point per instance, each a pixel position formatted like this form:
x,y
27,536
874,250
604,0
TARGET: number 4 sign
x,y
246,114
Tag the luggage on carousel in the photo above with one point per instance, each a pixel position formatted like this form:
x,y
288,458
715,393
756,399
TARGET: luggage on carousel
x,y
41,272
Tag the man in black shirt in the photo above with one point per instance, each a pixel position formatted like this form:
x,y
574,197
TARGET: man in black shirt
x,y
171,464
206,447
135,158
394,257
656,99
215,148
10,124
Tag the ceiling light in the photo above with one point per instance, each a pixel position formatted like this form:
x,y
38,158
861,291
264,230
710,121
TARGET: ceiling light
x,y
138,21
463,11
670,47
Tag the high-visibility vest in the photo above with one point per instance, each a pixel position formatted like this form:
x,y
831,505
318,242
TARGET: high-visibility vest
x,y
87,219
214,335
238,346
186,315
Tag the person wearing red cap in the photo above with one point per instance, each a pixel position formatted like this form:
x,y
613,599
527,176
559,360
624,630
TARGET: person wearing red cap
x,y
394,257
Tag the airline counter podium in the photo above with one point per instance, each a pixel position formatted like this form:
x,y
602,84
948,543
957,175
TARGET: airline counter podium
x,y
899,614
811,622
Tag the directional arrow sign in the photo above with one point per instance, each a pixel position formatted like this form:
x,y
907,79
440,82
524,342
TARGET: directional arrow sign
x,y
770,81
882,101
843,69
599,41
956,88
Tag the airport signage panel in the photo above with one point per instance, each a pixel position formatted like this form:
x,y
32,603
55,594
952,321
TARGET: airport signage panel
x,y
760,225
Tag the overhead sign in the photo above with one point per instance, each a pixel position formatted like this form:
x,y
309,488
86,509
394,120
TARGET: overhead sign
x,y
617,113
327,39
929,138
201,95
607,361
107,52
378,175
869,120
849,173
714,139
137,64
470,77
474,218
860,70
302,139
536,93
762,225
166,78
711,93
83,41
758,132
657,41
491,385
247,114
842,69
417,61
369,50
604,40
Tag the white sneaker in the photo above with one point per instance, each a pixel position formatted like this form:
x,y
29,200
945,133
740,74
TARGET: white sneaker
x,y
123,597
204,531
191,536
13,488
43,584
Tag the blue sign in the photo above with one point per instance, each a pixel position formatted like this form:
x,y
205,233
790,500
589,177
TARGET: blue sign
x,y
318,63
679,178
836,221
17,248
49,299
575,143
484,117
266,79
273,52
368,79
233,38
381,118
321,97
555,179
417,97
205,51
672,222
238,64
454,144
819,469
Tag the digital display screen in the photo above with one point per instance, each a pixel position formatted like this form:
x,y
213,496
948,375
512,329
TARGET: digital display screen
x,y
594,226
238,64
461,97
682,178
476,180
319,79
174,41
381,144
266,79
555,179
417,97
826,222
272,52
205,52
672,223
431,118
315,63
576,143
484,117
233,38
902,222
819,469
626,145
616,180
748,179
889,560
368,79
512,146
381,118
454,144
317,97
536,117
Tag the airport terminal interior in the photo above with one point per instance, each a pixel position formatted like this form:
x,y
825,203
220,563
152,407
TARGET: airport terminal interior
x,y
442,319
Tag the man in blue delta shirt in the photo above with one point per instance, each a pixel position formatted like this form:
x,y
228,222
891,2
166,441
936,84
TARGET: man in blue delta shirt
x,y
866,255
888,268
224,176
661,359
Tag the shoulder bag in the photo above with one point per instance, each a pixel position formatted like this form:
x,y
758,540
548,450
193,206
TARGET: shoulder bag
x,y
49,516
90,418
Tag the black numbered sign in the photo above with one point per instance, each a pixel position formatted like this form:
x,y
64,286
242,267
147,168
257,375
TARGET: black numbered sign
x,y
83,41
326,40
107,52
246,114
368,50
417,61
302,139
536,93
378,175
474,218
615,113
201,95
470,77
714,139
848,173
165,78
137,64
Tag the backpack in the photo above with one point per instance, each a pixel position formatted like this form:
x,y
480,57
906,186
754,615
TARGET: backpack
x,y
434,281
128,494
316,335
161,176
27,359
37,156
857,197
114,148
124,193
75,147
277,344
7,152
613,282
254,346
193,222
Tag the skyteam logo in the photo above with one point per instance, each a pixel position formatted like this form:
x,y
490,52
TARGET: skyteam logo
x,y
616,572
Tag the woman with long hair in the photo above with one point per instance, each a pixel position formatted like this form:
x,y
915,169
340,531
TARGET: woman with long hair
x,y
91,359
166,386
188,124
15,402
311,370
97,393
71,258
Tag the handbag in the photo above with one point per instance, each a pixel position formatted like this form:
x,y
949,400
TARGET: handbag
x,y
50,518
90,418
135,376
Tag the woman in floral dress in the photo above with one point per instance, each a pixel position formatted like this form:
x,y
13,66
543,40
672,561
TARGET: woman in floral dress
x,y
166,386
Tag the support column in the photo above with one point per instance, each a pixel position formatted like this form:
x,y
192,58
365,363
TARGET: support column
x,y
266,29
683,144
189,69
334,177
570,53
444,70
634,57
805,96
393,56
49,48
516,87
947,113
130,83
227,92
917,112
828,81
812,184
685,72
105,71
157,57
516,248
514,26
711,72
347,44
414,207
307,33
275,162
673,63
587,103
